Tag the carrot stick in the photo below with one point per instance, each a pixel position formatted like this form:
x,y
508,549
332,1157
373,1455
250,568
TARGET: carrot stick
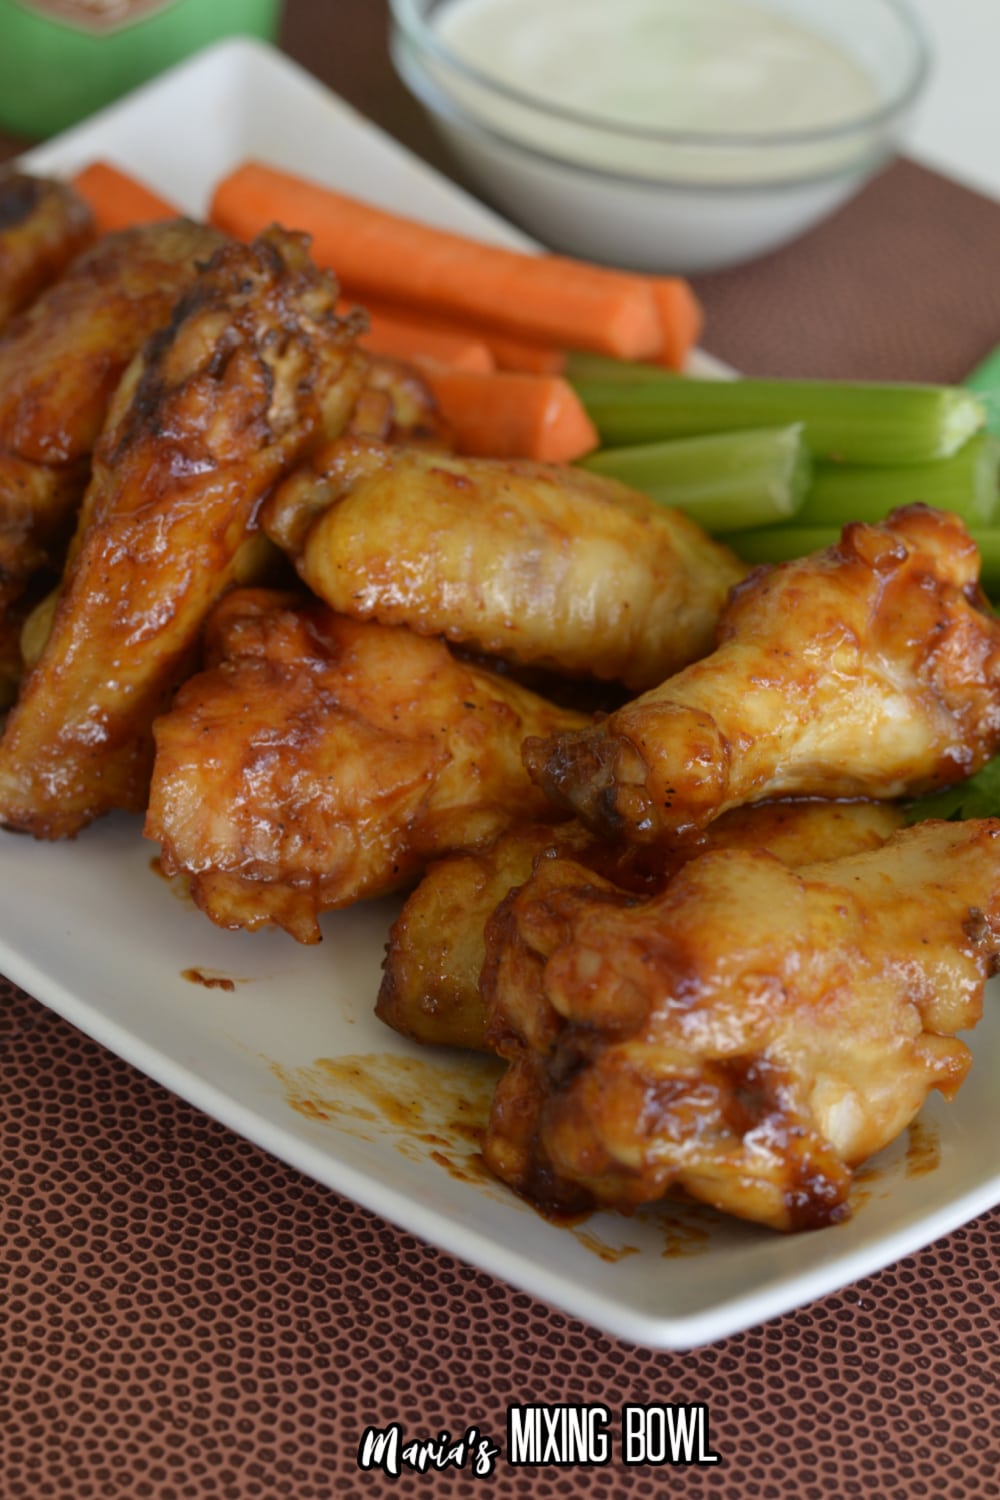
x,y
513,415
119,201
549,299
406,338
681,319
520,354
506,352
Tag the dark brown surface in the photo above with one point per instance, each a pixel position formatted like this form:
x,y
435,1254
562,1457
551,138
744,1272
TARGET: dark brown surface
x,y
185,1317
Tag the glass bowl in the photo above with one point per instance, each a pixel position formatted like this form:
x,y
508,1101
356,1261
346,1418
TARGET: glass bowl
x,y
665,200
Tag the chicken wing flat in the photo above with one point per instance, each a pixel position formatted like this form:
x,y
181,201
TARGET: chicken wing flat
x,y
529,562
322,760
749,1035
430,988
253,367
43,224
60,363
869,670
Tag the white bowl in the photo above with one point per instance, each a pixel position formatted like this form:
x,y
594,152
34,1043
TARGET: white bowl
x,y
686,200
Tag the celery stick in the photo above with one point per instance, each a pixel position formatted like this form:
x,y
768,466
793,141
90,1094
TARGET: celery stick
x,y
780,543
985,381
988,542
735,479
582,365
968,484
844,422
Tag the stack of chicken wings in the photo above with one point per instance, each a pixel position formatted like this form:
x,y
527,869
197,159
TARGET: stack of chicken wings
x,y
247,588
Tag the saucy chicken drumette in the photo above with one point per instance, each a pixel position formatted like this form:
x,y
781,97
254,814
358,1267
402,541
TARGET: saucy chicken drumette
x,y
60,364
749,1034
319,761
252,367
868,670
430,988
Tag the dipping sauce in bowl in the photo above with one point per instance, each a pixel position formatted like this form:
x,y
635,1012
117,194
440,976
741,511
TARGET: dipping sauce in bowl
x,y
675,110
678,65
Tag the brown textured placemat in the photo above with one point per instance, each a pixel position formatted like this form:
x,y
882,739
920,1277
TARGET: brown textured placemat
x,y
902,284
185,1317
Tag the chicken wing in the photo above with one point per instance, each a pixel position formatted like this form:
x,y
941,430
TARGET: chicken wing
x,y
252,368
321,760
524,561
430,988
60,363
868,670
749,1035
43,224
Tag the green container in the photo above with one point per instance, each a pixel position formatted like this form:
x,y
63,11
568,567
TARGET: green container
x,y
61,60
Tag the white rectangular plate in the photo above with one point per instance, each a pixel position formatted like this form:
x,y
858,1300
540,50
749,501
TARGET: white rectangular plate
x,y
93,932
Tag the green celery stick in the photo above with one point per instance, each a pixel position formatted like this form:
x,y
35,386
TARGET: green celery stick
x,y
730,480
968,484
985,381
780,543
844,422
582,365
775,544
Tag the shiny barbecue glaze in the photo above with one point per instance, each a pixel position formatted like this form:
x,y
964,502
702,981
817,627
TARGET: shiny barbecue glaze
x,y
437,946
253,367
868,670
60,363
749,1034
321,760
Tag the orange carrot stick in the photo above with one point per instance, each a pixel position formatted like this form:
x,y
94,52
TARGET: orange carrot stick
x,y
507,353
513,415
119,201
520,354
406,338
546,298
681,319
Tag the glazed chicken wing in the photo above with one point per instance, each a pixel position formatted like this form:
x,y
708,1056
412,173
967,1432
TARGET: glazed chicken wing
x,y
60,363
43,224
868,670
524,561
321,760
748,1035
252,368
430,988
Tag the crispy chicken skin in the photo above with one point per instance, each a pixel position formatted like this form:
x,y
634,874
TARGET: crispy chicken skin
x,y
869,670
60,363
749,1035
43,224
253,367
526,561
437,946
321,760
